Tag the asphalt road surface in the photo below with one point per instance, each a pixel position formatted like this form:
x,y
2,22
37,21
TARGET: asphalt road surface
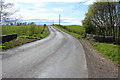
x,y
57,56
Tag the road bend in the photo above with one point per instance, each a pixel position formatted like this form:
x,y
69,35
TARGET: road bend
x,y
59,55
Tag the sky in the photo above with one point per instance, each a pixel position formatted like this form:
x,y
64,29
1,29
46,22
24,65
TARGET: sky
x,y
46,11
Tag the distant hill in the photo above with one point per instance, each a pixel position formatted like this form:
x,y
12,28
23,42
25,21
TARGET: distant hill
x,y
48,22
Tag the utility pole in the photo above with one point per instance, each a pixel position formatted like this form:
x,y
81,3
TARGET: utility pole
x,y
53,22
59,19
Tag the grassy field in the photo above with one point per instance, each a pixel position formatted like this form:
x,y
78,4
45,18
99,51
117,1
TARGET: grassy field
x,y
28,30
25,34
76,31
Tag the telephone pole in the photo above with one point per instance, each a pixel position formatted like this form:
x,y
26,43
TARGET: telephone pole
x,y
53,22
59,18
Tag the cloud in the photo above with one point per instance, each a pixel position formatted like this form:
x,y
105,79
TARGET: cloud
x,y
38,15
64,21
37,1
90,2
45,12
39,4
71,21
58,9
33,9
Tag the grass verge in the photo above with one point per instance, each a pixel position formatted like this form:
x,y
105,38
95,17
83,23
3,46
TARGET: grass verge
x,y
111,51
71,33
16,42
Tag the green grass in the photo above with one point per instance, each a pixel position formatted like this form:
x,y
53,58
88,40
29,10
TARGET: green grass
x,y
71,33
109,50
28,30
25,34
76,31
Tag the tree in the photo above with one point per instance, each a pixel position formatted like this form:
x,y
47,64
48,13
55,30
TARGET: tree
x,y
6,13
89,27
104,16
31,23
32,28
43,29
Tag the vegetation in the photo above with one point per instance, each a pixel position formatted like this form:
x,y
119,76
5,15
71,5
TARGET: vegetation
x,y
76,31
109,50
17,42
103,19
25,34
26,31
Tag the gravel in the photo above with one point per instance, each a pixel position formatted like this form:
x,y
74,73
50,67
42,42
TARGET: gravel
x,y
98,65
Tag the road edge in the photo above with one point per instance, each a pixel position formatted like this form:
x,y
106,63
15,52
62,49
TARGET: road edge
x,y
97,64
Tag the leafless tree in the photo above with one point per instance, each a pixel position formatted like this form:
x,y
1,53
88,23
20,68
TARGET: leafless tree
x,y
6,12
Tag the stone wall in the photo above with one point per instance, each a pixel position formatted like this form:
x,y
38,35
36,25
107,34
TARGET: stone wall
x,y
7,38
99,38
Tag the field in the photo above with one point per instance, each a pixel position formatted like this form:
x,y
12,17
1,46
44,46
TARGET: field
x,y
28,30
76,31
25,34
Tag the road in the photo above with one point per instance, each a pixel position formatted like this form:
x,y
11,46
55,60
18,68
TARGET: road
x,y
57,56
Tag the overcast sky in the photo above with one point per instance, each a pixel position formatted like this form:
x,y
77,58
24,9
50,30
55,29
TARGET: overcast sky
x,y
72,11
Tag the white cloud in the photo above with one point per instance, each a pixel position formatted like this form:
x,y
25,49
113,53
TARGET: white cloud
x,y
37,1
37,11
71,21
58,9
33,9
9,1
41,10
90,2
39,4
39,15
28,1
66,21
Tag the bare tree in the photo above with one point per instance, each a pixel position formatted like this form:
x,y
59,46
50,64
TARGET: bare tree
x,y
6,12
